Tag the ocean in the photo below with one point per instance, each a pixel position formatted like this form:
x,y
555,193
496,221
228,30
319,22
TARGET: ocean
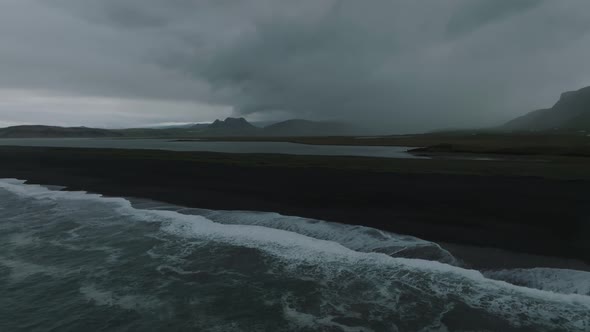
x,y
74,261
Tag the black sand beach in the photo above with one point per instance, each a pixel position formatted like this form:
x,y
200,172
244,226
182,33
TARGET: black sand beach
x,y
527,207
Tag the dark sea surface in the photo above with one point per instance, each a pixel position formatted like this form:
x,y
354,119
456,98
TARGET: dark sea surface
x,y
72,261
225,147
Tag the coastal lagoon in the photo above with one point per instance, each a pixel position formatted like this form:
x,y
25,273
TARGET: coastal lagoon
x,y
210,146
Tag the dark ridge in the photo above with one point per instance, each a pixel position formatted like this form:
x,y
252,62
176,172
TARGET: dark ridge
x,y
570,113
299,127
53,132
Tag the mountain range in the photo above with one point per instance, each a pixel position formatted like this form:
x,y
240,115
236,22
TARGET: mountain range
x,y
228,127
571,113
231,127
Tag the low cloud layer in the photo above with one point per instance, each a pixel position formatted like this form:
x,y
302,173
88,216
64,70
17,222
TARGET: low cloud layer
x,y
394,66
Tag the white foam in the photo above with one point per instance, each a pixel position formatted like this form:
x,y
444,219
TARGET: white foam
x,y
20,270
327,258
553,280
108,298
358,238
34,191
249,236
300,320
12,181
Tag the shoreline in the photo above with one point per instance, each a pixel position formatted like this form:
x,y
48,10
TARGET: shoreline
x,y
526,215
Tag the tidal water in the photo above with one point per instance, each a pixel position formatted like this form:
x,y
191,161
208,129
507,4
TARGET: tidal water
x,y
72,261
225,147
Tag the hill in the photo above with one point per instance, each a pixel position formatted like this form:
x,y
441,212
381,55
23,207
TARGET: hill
x,y
54,132
230,127
570,113
297,127
294,127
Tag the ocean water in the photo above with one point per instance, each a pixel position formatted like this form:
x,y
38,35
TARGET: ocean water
x,y
72,261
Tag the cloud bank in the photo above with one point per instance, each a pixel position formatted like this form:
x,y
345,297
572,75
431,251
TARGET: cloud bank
x,y
394,66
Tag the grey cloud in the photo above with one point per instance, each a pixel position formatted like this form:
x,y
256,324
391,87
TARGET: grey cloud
x,y
46,50
475,14
391,65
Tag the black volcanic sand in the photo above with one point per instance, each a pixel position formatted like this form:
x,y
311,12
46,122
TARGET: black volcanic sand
x,y
467,203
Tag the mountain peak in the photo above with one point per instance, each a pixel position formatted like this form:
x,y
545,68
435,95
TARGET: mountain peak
x,y
231,123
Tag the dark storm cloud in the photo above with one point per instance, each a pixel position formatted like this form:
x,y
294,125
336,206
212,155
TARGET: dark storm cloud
x,y
392,65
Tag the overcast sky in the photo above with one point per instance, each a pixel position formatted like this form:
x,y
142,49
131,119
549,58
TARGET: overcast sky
x,y
393,65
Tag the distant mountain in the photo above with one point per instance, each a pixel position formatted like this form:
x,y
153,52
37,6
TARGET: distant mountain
x,y
199,126
570,113
53,132
297,127
227,127
262,124
177,126
231,127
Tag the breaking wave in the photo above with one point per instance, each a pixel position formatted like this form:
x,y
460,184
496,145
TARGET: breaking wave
x,y
104,262
554,280
355,237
